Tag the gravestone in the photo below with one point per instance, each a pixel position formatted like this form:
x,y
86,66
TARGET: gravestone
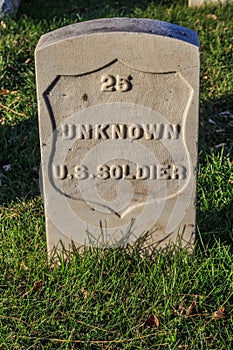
x,y
8,7
193,3
118,119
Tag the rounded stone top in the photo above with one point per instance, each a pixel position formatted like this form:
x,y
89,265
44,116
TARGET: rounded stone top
x,y
110,25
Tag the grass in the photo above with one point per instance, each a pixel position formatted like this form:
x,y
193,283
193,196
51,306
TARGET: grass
x,y
107,299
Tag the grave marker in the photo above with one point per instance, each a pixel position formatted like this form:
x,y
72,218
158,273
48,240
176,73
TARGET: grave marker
x,y
118,118
195,3
8,8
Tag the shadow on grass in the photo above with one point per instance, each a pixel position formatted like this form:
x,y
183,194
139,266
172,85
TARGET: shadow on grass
x,y
89,9
19,161
214,225
215,137
216,125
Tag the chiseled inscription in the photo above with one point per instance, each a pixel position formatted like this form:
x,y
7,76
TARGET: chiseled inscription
x,y
111,83
124,171
120,131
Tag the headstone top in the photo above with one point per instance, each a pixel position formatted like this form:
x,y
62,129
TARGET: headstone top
x,y
132,25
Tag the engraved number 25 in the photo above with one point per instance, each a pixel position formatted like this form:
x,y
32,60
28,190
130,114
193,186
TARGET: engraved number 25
x,y
111,83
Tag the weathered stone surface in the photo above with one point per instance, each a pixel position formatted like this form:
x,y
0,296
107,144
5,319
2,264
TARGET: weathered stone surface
x,y
118,117
8,7
193,3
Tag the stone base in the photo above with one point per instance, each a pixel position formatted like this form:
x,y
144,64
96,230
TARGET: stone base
x,y
193,3
8,7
